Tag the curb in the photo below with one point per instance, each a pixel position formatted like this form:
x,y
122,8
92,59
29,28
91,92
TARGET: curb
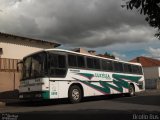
x,y
2,104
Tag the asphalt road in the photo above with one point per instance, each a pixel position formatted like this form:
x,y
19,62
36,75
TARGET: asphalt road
x,y
111,106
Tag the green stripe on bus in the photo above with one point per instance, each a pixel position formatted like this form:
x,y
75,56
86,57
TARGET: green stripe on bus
x,y
131,78
118,81
45,95
87,75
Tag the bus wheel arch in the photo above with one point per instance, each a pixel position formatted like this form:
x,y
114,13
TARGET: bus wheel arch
x,y
75,87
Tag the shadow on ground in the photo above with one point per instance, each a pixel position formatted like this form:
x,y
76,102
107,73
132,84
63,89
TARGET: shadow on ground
x,y
16,102
9,94
143,100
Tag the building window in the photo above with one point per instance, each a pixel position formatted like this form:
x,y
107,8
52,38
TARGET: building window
x,y
1,51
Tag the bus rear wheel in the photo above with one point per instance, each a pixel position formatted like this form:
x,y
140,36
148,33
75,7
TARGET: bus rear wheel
x,y
75,94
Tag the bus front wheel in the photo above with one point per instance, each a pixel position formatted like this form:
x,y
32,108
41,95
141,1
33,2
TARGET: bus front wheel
x,y
75,94
131,90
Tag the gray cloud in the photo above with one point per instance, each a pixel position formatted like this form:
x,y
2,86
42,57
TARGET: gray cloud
x,y
90,23
154,52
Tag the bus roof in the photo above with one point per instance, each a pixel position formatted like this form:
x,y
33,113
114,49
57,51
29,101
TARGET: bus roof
x,y
68,51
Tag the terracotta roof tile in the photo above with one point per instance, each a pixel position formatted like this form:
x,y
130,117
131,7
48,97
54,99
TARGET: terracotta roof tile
x,y
146,61
31,39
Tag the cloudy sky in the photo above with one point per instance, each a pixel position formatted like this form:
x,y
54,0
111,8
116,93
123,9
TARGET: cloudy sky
x,y
101,25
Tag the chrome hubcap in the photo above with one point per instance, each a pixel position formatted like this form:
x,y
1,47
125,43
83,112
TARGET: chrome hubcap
x,y
75,94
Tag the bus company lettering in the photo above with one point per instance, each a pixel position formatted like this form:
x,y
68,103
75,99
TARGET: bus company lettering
x,y
102,75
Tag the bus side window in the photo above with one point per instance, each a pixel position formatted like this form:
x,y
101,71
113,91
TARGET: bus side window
x,y
107,65
129,68
140,70
104,65
80,61
137,69
53,60
52,64
57,66
97,64
126,70
90,63
61,61
118,67
121,69
72,61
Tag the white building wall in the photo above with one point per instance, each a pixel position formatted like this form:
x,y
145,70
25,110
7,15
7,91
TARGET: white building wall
x,y
151,72
13,51
83,51
16,48
159,71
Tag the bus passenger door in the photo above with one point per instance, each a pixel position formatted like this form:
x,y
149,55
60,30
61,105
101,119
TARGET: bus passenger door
x,y
53,89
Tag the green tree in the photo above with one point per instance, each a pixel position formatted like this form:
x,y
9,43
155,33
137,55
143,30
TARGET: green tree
x,y
149,8
109,55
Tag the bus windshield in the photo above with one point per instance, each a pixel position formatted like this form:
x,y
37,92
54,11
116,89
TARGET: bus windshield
x,y
34,66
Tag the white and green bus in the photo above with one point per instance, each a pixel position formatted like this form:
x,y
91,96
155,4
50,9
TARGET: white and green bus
x,y
57,73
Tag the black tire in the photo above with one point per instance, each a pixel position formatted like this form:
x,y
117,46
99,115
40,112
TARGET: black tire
x,y
131,90
75,94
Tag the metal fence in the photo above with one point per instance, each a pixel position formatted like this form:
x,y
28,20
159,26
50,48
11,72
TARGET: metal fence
x,y
10,65
10,74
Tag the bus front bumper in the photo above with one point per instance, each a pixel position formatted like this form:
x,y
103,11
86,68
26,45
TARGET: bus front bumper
x,y
34,95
